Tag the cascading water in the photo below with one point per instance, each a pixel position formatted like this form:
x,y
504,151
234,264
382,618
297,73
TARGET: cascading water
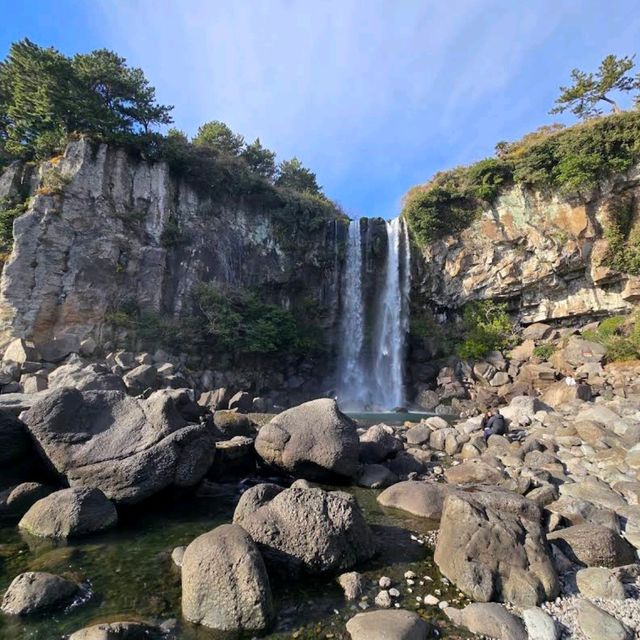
x,y
371,372
392,320
351,378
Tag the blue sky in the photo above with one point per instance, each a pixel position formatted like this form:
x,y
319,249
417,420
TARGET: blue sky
x,y
375,96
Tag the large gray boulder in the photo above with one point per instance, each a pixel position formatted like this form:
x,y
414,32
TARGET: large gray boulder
x,y
491,545
309,531
120,631
224,582
254,498
69,512
16,501
388,625
377,443
597,624
314,440
127,447
92,377
593,545
424,499
37,592
488,620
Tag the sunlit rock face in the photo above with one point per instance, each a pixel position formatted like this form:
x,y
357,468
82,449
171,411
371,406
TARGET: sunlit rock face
x,y
115,228
541,253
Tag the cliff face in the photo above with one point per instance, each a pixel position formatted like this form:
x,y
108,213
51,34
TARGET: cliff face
x,y
102,228
540,253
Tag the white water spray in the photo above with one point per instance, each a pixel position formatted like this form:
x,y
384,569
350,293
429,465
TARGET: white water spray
x,y
351,378
392,321
375,379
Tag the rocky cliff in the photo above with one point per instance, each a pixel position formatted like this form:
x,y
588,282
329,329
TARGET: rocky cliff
x,y
115,228
540,253
103,228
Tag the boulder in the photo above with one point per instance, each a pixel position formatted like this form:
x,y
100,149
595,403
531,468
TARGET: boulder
x,y
376,476
16,501
577,511
314,440
522,408
491,545
424,499
33,383
420,434
490,620
560,393
93,377
427,400
234,456
120,631
536,331
309,531
140,378
88,347
597,624
577,352
20,351
241,401
224,582
59,348
129,448
540,625
600,582
593,545
378,443
523,351
475,471
69,512
254,498
405,463
37,592
397,624
231,424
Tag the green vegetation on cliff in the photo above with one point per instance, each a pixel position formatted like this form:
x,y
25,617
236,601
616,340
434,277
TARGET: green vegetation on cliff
x,y
620,335
233,322
570,161
46,98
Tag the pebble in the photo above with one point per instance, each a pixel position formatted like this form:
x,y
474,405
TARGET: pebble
x,y
384,582
410,575
443,605
431,600
394,593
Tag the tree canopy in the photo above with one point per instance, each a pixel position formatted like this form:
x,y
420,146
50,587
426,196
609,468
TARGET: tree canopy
x,y
218,136
45,96
588,90
292,174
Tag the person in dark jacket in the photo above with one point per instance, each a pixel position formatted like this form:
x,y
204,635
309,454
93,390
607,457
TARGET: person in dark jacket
x,y
495,425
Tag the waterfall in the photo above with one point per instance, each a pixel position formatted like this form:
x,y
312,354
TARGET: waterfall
x,y
371,372
351,376
392,319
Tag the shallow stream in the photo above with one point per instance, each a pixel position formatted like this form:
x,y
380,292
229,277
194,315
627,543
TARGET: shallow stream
x,y
131,575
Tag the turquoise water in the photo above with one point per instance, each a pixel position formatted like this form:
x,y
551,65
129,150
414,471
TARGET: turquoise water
x,y
132,576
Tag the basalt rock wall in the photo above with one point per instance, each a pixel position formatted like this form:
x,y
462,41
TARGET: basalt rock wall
x,y
103,228
542,254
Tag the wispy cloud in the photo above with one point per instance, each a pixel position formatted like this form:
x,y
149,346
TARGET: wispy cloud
x,y
374,95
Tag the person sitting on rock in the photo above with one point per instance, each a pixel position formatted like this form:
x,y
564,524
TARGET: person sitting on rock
x,y
485,418
495,425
